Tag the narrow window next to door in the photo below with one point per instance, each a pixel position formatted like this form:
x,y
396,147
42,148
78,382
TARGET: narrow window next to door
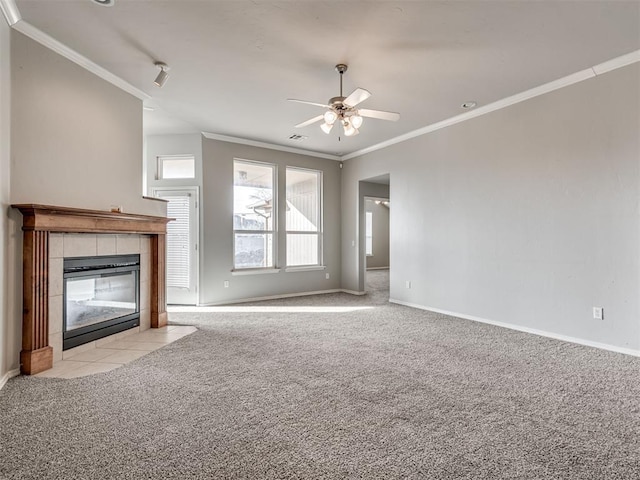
x,y
178,241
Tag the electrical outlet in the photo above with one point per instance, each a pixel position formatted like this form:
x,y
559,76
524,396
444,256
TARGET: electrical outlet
x,y
598,313
327,276
226,284
408,283
353,243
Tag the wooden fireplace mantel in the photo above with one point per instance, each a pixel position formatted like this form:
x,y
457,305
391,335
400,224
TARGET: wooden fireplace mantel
x,y
77,220
37,223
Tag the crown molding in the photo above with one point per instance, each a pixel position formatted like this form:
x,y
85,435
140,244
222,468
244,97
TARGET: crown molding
x,y
270,146
574,78
14,19
491,107
618,62
60,48
10,11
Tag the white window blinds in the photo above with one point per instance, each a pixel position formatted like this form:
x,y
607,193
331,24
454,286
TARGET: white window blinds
x,y
178,242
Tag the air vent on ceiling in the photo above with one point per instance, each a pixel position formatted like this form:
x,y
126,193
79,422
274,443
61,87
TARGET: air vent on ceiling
x,y
297,138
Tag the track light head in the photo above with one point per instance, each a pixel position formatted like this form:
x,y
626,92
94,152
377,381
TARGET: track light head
x,y
162,75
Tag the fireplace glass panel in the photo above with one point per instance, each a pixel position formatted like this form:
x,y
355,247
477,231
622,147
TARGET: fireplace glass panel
x,y
95,299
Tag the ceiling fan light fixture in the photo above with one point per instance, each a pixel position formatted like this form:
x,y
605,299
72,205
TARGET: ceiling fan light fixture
x,y
344,110
330,117
326,127
349,130
356,121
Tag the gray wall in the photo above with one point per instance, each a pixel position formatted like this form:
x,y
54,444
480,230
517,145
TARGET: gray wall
x,y
380,241
528,215
7,361
75,141
217,227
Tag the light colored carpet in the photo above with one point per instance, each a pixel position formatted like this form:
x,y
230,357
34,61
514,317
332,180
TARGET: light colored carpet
x,y
351,392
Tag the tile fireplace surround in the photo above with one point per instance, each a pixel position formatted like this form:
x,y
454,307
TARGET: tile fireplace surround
x,y
53,233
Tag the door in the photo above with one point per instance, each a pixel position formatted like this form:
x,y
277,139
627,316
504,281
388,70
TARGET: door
x,y
182,243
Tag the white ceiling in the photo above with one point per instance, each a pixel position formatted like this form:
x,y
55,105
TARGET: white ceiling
x,y
234,63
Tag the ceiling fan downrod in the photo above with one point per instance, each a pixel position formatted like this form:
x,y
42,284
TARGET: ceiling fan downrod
x,y
341,68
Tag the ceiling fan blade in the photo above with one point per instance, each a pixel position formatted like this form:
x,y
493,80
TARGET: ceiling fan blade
x,y
310,121
357,96
308,103
379,114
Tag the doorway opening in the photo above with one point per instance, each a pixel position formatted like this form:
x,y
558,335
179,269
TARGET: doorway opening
x,y
374,228
376,211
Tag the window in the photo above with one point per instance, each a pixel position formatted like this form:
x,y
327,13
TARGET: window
x,y
303,214
178,241
253,214
176,166
369,233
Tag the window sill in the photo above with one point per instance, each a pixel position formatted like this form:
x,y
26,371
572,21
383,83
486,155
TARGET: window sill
x,y
310,268
255,271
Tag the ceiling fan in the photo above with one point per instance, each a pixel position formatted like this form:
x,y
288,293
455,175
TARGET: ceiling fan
x,y
343,109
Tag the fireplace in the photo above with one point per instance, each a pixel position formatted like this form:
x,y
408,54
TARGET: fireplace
x,y
101,296
49,236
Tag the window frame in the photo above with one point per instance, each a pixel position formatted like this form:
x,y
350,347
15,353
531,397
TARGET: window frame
x,y
160,166
320,213
274,216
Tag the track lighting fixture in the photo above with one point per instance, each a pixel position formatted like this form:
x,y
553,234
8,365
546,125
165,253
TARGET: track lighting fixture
x,y
162,75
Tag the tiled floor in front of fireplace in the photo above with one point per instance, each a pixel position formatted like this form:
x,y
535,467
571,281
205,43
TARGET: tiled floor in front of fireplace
x,y
115,354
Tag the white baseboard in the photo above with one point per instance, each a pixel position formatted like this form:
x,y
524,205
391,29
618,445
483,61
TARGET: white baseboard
x,y
534,331
177,308
270,297
378,268
352,292
10,374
